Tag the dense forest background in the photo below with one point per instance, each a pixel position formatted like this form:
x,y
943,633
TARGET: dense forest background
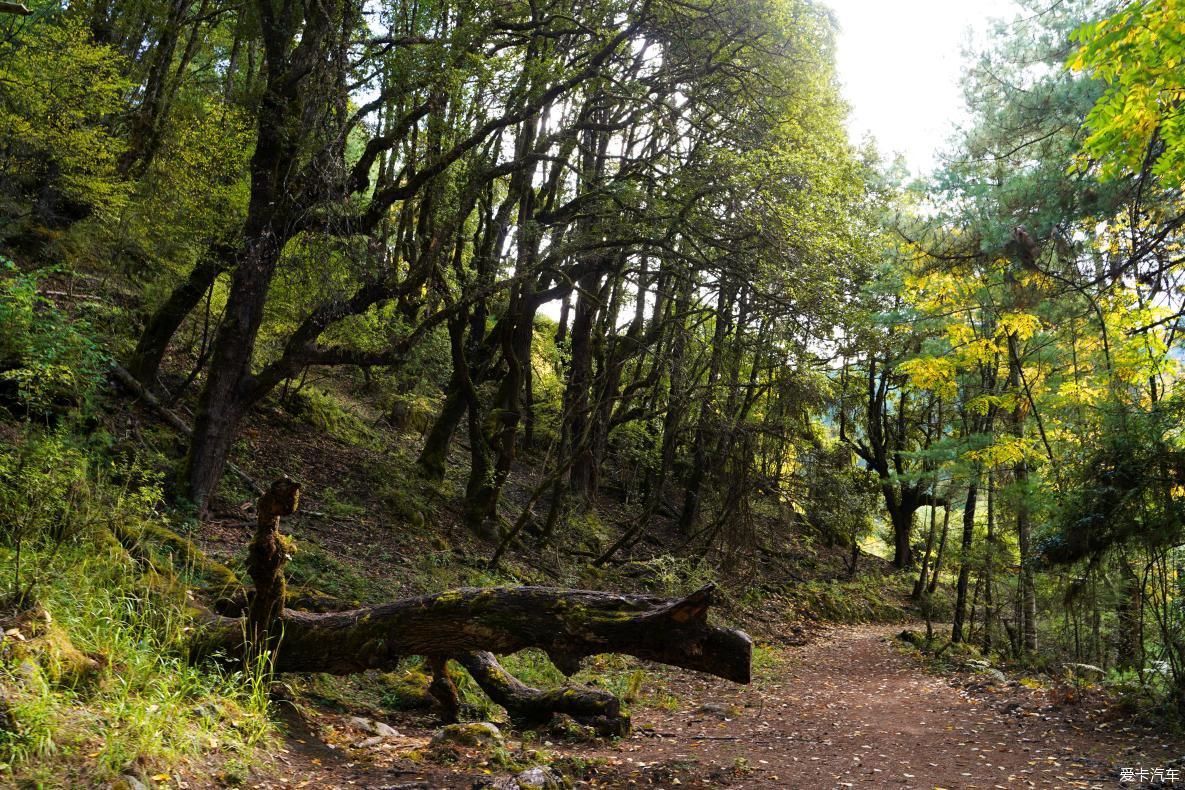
x,y
593,294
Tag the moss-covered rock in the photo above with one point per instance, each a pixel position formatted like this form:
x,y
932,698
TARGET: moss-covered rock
x,y
34,638
407,690
477,734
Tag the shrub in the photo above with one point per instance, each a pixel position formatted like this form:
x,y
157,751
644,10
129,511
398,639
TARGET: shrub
x,y
48,363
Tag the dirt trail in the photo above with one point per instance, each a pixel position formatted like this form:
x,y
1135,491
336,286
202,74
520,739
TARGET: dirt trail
x,y
852,710
847,710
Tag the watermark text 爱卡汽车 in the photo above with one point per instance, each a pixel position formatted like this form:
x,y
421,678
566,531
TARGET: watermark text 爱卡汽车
x,y
1157,775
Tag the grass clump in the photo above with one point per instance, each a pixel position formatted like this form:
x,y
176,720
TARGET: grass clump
x,y
314,568
95,680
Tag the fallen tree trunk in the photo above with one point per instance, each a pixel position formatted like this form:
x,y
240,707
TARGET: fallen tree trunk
x,y
470,625
567,624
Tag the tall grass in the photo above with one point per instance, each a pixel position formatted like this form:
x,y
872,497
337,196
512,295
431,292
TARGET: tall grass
x,y
141,708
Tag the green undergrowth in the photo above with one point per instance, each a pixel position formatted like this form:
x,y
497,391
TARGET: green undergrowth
x,y
314,568
50,361
406,687
865,599
327,413
94,678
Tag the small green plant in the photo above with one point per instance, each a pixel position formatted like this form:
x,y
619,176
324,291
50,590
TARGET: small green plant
x,y
473,700
633,688
333,505
313,567
670,575
407,687
47,360
860,600
764,659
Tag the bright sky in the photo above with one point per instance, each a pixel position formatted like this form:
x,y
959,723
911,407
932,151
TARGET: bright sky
x,y
899,61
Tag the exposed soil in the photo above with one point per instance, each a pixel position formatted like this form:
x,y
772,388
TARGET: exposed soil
x,y
849,709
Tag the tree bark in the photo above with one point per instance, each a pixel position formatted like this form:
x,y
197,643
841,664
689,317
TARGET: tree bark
x,y
901,517
990,615
434,454
531,707
582,474
933,585
146,122
1020,473
444,690
265,560
920,585
956,634
1128,634
154,340
568,625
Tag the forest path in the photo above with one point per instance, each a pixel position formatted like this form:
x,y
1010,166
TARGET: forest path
x,y
849,709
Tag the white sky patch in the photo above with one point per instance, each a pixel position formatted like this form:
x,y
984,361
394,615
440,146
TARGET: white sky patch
x,y
900,62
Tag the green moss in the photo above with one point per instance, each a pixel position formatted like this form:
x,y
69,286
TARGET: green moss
x,y
35,638
406,689
179,552
330,415
334,505
863,600
534,668
313,567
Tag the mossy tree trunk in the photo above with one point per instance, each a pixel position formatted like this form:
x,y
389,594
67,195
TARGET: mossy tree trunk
x,y
266,557
531,707
145,360
568,625
470,625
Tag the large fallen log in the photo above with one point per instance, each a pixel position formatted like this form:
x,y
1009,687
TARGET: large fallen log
x,y
567,624
470,625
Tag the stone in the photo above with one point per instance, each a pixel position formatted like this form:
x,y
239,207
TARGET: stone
x,y
1088,672
481,733
29,675
379,728
716,709
540,778
384,730
537,778
366,743
504,783
359,723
